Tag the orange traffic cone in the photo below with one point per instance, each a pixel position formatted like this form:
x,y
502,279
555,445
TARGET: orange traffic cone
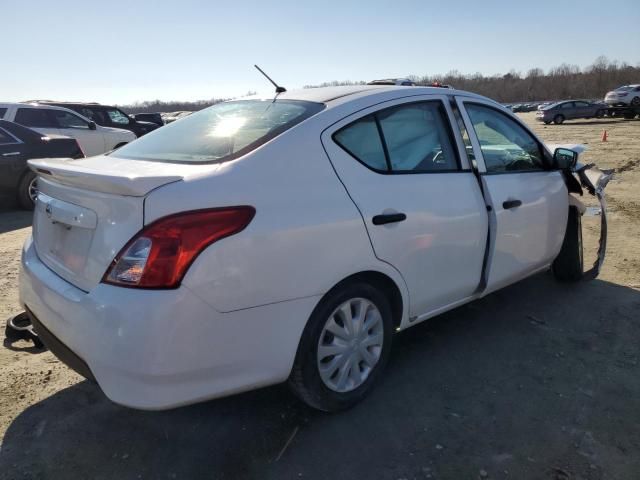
x,y
604,135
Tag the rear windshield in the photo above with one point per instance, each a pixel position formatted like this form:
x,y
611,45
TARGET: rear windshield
x,y
222,132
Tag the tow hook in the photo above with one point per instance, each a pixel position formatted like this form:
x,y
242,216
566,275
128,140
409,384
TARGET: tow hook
x,y
594,181
19,328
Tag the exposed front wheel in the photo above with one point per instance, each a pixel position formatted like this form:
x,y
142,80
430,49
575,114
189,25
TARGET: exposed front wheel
x,y
600,114
28,190
558,119
635,102
344,348
568,265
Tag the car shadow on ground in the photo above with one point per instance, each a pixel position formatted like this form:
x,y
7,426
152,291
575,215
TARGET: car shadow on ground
x,y
14,220
538,379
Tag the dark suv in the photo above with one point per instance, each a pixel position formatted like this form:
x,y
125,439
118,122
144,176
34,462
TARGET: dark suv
x,y
107,116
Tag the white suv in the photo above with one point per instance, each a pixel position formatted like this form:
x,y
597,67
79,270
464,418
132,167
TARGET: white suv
x,y
93,139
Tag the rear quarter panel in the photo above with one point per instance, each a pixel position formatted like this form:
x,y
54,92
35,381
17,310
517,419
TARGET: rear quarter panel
x,y
307,234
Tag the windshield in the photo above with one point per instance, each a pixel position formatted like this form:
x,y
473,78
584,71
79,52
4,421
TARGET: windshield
x,y
222,132
623,89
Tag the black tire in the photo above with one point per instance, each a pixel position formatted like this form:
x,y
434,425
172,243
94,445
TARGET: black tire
x,y
600,114
558,119
629,115
635,102
24,198
568,265
547,122
305,380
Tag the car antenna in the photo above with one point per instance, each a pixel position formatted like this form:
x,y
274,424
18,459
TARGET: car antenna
x,y
279,89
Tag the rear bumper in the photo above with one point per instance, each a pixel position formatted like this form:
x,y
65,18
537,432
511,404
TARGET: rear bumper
x,y
60,350
158,349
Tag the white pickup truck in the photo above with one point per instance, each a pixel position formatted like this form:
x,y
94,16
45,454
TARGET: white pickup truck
x,y
287,238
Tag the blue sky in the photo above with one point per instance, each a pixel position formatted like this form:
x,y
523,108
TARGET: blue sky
x,y
123,51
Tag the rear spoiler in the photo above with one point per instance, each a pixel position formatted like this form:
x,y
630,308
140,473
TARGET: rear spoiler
x,y
114,178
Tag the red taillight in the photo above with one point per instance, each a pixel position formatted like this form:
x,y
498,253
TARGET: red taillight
x,y
160,254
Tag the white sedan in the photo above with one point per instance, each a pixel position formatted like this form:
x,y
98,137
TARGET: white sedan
x,y
627,95
288,238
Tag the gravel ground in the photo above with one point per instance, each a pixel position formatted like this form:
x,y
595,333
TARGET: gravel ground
x,y
537,381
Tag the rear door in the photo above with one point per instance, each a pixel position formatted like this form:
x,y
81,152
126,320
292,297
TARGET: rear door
x,y
404,167
72,125
528,199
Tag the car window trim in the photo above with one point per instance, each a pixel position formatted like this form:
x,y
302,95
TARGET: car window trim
x,y
390,171
477,148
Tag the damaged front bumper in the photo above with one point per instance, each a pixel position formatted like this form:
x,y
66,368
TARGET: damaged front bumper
x,y
594,181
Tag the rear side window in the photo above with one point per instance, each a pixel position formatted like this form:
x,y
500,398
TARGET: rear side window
x,y
410,138
35,117
6,138
2,112
222,132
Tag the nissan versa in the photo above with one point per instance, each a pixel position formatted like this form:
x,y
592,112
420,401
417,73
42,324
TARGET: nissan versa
x,y
287,238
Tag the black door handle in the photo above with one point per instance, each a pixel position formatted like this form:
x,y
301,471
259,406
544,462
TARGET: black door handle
x,y
511,204
388,218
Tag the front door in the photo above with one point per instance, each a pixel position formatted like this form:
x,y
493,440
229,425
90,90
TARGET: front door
x,y
72,125
528,198
406,171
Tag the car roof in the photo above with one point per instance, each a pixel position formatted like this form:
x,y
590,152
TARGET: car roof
x,y
333,96
33,105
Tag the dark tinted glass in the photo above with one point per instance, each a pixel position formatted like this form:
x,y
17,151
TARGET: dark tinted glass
x,y
35,117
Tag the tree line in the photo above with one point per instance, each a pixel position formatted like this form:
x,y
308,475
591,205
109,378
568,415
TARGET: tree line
x,y
562,82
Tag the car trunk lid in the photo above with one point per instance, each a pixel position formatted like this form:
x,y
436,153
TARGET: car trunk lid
x,y
88,209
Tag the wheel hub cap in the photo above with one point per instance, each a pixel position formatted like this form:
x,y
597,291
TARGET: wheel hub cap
x,y
350,345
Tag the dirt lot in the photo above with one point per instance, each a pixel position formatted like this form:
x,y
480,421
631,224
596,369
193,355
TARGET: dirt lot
x,y
538,381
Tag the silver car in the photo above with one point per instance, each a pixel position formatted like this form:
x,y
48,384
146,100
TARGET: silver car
x,y
627,95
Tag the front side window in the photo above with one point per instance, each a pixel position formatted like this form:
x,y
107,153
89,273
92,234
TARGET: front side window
x,y
69,120
567,105
410,138
222,132
118,117
35,118
506,146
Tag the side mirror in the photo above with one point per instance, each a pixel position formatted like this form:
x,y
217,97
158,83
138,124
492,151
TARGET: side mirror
x,y
92,125
565,159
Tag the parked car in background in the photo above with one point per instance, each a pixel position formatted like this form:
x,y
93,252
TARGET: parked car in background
x,y
19,144
627,95
149,117
52,120
107,116
171,117
185,270
570,110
